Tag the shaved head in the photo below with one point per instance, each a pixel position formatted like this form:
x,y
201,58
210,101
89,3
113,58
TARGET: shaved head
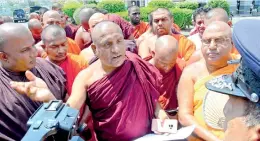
x,y
95,19
16,46
56,6
34,16
51,17
34,23
166,51
216,14
7,19
51,32
219,26
101,28
85,14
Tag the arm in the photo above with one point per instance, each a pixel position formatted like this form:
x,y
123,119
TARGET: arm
x,y
143,49
78,94
185,94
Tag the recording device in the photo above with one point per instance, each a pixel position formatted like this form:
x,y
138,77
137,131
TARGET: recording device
x,y
54,121
169,126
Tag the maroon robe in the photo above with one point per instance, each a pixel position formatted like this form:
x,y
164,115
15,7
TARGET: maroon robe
x,y
16,109
168,90
123,102
71,30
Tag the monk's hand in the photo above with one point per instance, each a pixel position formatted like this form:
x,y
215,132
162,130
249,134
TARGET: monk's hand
x,y
161,115
36,89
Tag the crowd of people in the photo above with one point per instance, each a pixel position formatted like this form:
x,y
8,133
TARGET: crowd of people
x,y
121,74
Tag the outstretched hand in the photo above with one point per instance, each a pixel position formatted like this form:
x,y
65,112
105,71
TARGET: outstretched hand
x,y
36,89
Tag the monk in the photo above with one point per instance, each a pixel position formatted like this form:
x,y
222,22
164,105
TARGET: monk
x,y
55,45
88,53
56,6
198,19
121,89
139,26
216,14
34,16
165,60
161,20
19,63
41,11
216,50
54,18
82,37
35,27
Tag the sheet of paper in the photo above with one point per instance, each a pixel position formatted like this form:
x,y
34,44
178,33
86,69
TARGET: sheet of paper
x,y
182,133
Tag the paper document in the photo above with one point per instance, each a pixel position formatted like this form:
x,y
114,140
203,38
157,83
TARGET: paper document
x,y
182,133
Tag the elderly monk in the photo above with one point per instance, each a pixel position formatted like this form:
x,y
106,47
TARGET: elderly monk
x,y
198,19
139,26
34,16
35,27
82,37
19,63
121,89
216,50
216,14
88,53
56,46
161,20
165,60
54,18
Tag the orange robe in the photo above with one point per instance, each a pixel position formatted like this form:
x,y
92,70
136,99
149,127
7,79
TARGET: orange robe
x,y
176,27
186,47
73,47
140,29
72,66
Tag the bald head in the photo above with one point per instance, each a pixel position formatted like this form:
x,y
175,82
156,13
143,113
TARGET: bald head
x,y
56,6
216,14
11,32
52,32
218,27
85,14
51,17
95,19
102,28
34,24
34,16
165,54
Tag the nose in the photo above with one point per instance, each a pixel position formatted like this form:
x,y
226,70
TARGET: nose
x,y
137,15
115,49
212,45
61,50
160,22
33,52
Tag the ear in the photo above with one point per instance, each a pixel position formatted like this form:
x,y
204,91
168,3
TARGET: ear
x,y
230,23
256,133
94,48
153,54
3,56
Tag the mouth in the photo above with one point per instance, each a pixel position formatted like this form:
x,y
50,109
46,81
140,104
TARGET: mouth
x,y
213,55
116,57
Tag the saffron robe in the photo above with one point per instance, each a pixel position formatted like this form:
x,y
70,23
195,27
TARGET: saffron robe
x,y
140,29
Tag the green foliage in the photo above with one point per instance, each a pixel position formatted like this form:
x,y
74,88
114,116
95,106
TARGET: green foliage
x,y
70,6
112,6
188,5
219,4
182,17
161,3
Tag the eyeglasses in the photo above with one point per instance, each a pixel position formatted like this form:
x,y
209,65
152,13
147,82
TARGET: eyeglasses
x,y
218,41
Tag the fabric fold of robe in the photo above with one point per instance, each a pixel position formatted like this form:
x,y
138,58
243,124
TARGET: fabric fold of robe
x,y
73,47
168,90
200,92
16,109
72,65
123,102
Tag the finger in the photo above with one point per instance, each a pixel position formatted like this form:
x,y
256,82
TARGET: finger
x,y
19,86
30,76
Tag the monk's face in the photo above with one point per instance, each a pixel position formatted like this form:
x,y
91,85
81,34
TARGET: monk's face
x,y
163,61
36,32
235,126
20,54
56,49
162,22
134,15
216,44
63,20
111,47
199,23
54,19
